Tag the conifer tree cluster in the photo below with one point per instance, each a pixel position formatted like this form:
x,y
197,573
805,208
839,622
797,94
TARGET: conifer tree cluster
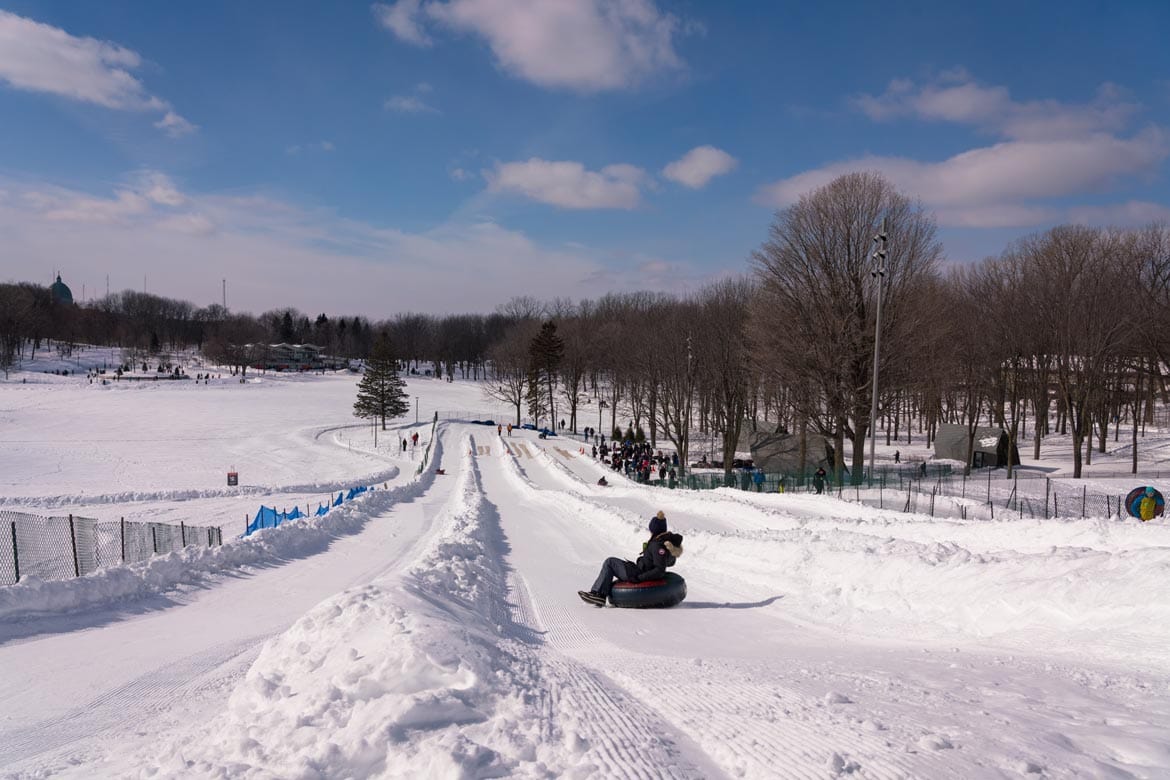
x,y
381,392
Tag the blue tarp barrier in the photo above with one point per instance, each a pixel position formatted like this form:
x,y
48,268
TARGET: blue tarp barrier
x,y
268,517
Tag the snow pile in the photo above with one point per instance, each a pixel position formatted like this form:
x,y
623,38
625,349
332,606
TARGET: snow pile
x,y
413,678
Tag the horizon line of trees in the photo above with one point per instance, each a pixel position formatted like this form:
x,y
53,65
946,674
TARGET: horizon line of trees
x,y
1067,330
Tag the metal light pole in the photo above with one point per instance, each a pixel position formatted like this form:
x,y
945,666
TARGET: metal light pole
x,y
878,273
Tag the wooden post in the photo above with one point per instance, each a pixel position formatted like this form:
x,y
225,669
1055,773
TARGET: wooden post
x,y
73,541
153,539
122,527
15,557
183,533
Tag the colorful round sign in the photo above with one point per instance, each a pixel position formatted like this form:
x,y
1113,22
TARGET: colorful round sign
x,y
1133,502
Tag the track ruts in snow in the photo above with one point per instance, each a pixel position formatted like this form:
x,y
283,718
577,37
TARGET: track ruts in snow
x,y
626,738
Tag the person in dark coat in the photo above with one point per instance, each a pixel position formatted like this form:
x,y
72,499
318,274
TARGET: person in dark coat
x,y
819,480
662,550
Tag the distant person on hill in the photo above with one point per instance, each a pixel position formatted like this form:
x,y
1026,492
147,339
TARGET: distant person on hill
x,y
819,480
897,456
1148,506
603,482
660,551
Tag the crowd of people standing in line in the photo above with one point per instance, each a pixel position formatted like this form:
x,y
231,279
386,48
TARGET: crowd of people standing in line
x,y
638,461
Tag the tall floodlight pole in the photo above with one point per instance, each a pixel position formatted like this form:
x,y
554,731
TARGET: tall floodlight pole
x,y
879,274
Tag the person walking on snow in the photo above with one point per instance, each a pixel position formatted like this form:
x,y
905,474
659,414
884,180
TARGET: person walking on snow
x,y
1148,506
661,551
819,480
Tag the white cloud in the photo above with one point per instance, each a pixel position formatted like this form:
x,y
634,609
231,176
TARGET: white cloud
x,y
1129,214
130,202
698,166
409,104
975,186
402,19
174,125
38,57
568,184
586,45
1052,150
459,174
423,88
956,97
274,253
296,149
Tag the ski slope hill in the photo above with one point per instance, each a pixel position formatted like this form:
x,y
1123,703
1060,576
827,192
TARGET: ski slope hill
x,y
432,628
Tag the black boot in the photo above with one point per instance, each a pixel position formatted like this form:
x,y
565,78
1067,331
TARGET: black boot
x,y
592,598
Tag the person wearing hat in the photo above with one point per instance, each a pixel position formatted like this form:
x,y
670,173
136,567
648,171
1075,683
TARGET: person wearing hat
x,y
1148,505
661,551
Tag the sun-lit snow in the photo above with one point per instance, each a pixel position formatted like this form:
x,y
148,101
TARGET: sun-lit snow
x,y
431,628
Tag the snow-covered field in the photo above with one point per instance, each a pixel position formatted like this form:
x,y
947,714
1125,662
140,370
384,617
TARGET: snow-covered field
x,y
431,628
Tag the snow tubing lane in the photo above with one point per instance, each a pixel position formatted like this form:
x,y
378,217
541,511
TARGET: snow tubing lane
x,y
654,593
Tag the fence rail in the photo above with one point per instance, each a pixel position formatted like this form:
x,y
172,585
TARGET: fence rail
x,y
940,494
56,548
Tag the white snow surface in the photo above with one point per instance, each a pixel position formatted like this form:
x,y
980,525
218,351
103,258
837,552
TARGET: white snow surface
x,y
431,628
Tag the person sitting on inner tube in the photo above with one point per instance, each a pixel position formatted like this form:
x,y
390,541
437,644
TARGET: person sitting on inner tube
x,y
602,482
661,551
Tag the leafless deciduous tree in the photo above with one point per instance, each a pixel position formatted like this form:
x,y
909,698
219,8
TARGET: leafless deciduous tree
x,y
815,315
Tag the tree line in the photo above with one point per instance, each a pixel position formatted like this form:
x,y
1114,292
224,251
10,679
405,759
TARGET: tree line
x,y
1067,330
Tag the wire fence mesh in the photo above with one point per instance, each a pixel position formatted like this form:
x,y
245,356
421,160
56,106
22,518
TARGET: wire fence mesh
x,y
55,548
939,493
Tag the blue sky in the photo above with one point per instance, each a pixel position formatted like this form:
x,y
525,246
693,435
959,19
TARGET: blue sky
x,y
445,155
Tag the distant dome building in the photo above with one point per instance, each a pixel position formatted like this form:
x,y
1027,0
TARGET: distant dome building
x,y
59,292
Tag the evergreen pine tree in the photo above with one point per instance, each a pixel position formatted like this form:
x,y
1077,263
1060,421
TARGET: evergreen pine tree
x,y
381,392
544,355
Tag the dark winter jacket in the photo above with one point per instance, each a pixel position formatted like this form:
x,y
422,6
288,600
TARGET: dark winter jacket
x,y
661,551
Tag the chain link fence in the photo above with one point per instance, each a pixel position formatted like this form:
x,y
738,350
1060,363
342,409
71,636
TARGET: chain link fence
x,y
56,548
938,491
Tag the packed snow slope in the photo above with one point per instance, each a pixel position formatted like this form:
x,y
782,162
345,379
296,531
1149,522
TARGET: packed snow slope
x,y
432,629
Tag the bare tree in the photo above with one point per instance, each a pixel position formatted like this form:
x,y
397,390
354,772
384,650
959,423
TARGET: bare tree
x,y
508,366
724,367
1087,307
814,317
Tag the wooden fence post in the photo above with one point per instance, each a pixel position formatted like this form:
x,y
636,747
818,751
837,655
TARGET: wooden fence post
x,y
153,539
183,533
15,557
122,527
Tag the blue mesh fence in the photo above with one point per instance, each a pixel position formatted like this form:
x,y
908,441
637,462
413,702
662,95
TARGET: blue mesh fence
x,y
269,517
